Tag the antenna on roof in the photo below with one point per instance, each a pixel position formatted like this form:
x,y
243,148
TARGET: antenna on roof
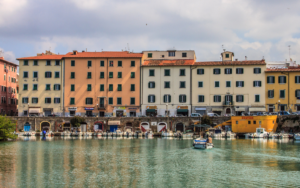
x,y
128,46
290,51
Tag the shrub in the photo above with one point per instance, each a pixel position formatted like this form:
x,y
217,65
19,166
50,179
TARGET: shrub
x,y
38,131
7,128
76,121
206,120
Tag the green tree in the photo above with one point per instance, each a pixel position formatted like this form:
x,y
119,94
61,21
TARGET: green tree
x,y
7,128
206,120
76,121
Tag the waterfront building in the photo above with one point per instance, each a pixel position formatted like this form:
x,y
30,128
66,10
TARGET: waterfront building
x,y
41,80
8,88
283,89
166,82
102,83
228,86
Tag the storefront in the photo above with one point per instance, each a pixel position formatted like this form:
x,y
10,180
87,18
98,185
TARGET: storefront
x,y
183,110
151,111
34,111
72,111
201,111
47,111
89,111
132,112
98,126
217,110
239,111
113,125
120,111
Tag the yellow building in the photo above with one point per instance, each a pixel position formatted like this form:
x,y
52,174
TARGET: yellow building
x,y
283,89
41,85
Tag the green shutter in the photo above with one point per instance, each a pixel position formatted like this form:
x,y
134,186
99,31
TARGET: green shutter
x,y
89,63
253,83
149,98
133,63
153,98
72,87
101,74
102,63
119,63
184,98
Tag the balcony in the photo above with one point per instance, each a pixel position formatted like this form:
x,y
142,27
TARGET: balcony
x,y
101,107
228,103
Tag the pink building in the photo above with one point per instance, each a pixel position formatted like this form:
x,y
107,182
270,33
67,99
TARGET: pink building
x,y
8,88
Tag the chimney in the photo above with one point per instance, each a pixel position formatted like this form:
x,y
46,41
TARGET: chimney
x,y
74,52
246,58
2,58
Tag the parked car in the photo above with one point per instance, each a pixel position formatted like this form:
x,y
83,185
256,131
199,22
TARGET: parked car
x,y
33,115
284,113
262,114
142,116
179,115
107,115
273,113
52,115
159,116
196,115
213,115
296,113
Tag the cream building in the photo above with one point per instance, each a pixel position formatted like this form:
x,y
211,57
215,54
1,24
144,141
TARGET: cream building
x,y
165,82
41,85
228,86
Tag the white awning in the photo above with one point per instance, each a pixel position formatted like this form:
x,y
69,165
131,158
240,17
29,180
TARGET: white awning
x,y
257,109
113,122
240,109
217,109
34,110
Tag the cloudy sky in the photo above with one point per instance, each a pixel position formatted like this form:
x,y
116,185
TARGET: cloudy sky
x,y
252,28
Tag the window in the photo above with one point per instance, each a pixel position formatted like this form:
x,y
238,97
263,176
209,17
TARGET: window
x,y
101,87
297,94
72,63
249,122
132,87
48,87
227,55
217,98
56,87
132,101
25,75
228,83
72,100
35,87
228,71
217,84
34,100
182,84
132,75
132,64
89,63
119,87
119,74
282,93
200,98
56,100
270,93
48,74
182,72
101,74
89,75
149,55
110,87
200,71
35,62
111,63
257,70
151,85
239,71
119,63
25,87
167,72
257,98
254,122
119,101
271,79
89,101
151,72
172,54
72,87
111,74
200,84
239,98
48,62
182,98
35,74
217,71
56,74
101,63
89,87
24,63
184,54
110,100
282,79
72,75
48,100
57,63
236,122
24,100
256,83
297,79
151,98
167,98
167,84
239,83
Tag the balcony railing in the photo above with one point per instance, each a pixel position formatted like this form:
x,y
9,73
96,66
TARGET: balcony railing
x,y
228,103
101,106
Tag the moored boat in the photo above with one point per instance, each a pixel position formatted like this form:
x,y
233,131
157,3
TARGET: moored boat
x,y
297,136
201,143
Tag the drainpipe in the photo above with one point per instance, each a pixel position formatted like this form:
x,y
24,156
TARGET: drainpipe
x,y
191,86
141,81
63,86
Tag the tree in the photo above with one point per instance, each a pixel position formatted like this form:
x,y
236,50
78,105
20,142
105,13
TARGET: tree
x,y
206,120
7,128
76,121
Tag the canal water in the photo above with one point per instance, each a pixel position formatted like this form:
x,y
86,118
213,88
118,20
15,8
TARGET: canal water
x,y
154,162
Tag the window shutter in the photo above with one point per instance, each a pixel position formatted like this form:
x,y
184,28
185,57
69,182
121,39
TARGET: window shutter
x,y
153,84
219,98
236,71
242,98
253,83
86,100
230,71
242,71
169,98
236,98
153,98
184,98
54,87
58,87
268,79
295,79
278,79
285,79
179,98
259,83
296,93
149,98
149,85
45,100
45,74
165,96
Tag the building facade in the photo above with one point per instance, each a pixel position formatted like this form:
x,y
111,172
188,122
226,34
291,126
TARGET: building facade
x,y
283,89
228,86
40,85
165,84
102,83
8,88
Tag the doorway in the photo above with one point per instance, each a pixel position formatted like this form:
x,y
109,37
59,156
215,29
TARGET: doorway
x,y
228,111
119,113
132,114
282,108
298,108
271,109
47,113
179,127
89,113
45,126
101,114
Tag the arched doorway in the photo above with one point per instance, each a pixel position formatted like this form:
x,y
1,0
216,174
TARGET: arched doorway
x,y
27,126
161,126
128,126
145,126
179,127
98,126
228,111
45,125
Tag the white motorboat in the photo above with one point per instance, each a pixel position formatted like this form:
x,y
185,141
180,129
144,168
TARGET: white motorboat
x,y
201,143
297,136
223,134
104,134
65,133
167,134
118,133
128,133
86,134
284,136
149,134
230,134
75,134
178,134
109,134
188,134
260,133
217,133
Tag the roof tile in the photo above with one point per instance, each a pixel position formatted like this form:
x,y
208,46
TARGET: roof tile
x,y
104,54
175,62
226,63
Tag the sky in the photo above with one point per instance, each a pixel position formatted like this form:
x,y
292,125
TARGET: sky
x,y
252,28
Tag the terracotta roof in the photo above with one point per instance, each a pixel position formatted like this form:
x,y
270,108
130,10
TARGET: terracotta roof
x,y
42,57
8,62
220,63
289,69
105,54
162,62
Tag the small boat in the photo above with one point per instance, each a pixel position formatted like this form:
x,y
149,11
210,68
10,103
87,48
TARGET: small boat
x,y
223,134
291,136
167,134
230,134
65,133
86,134
201,143
75,134
128,133
260,133
284,136
149,134
109,134
297,136
104,134
118,133
217,133
188,134
178,134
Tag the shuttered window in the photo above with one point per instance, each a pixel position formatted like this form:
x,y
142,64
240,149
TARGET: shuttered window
x,y
282,79
89,75
151,85
167,72
217,71
72,100
119,101
217,98
271,79
182,98
132,75
132,101
89,63
48,74
257,98
119,74
56,87
34,100
111,74
239,83
151,72
256,83
119,63
228,71
217,84
132,64
35,87
239,71
297,94
72,87
200,98
110,87
132,87
101,87
101,63
101,74
200,84
182,72
89,101
72,75
228,84
182,84
282,93
48,87
270,93
167,84
57,100
111,100
151,98
89,87
297,79
257,70
239,98
167,98
200,71
119,87
47,100
73,63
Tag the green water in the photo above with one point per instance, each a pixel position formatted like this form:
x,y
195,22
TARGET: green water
x,y
154,162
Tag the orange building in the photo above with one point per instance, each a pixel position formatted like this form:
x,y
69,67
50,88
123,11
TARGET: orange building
x,y
102,83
